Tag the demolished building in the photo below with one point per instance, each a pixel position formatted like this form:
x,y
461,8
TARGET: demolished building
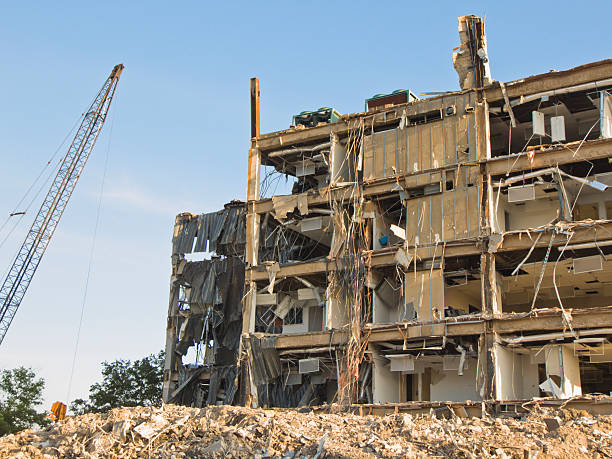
x,y
205,311
451,248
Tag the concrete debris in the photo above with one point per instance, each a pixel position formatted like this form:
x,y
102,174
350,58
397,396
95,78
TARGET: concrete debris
x,y
403,258
149,429
236,432
285,204
552,424
471,60
120,429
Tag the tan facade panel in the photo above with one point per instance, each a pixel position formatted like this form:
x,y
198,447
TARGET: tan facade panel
x,y
425,293
447,138
446,216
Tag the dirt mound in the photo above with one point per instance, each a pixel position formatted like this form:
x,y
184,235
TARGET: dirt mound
x,y
225,431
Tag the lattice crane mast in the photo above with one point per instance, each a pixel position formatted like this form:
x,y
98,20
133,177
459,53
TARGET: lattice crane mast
x,y
33,248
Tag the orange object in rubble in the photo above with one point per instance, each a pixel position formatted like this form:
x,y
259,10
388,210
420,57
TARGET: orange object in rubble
x,y
58,411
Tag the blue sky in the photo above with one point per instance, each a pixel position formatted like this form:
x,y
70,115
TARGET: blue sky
x,y
180,128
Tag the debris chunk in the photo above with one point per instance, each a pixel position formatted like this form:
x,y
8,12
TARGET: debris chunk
x,y
552,424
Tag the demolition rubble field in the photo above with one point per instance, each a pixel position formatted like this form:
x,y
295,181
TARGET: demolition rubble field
x,y
226,431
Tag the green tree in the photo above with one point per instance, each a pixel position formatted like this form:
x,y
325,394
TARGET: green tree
x,y
125,383
20,394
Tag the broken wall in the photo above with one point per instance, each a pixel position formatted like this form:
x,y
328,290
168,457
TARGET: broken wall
x,y
448,385
205,310
517,375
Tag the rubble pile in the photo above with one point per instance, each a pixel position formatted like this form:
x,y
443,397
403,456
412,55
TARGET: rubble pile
x,y
236,432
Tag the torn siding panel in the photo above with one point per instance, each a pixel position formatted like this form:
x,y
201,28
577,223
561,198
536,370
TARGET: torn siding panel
x,y
264,358
233,215
205,224
209,320
215,230
212,232
205,317
185,229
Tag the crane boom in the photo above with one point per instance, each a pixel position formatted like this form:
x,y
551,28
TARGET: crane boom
x,y
33,248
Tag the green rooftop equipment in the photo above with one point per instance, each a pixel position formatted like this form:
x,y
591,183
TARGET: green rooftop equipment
x,y
311,119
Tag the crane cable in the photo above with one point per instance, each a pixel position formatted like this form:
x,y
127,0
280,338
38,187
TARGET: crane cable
x,y
15,211
34,199
91,254
43,186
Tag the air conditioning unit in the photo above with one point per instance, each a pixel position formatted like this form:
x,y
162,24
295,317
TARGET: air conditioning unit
x,y
309,366
521,193
588,264
293,379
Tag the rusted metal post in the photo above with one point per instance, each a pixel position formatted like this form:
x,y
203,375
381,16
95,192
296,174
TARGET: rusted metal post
x,y
254,107
249,304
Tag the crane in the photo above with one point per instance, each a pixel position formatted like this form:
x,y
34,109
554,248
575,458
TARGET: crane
x,y
33,248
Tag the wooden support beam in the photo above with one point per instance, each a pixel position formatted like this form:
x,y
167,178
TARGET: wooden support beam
x,y
254,168
552,320
523,241
374,259
594,71
386,257
311,340
379,334
545,320
563,154
298,269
